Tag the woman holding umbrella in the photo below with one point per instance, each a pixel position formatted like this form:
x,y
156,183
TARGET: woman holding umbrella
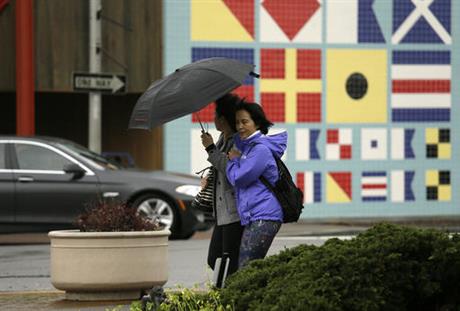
x,y
226,237
259,210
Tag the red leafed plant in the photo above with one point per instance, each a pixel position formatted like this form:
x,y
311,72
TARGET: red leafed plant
x,y
113,216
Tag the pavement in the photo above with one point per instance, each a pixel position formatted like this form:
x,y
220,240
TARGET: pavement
x,y
55,300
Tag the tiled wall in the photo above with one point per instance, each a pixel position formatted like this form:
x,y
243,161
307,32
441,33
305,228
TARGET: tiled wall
x,y
367,90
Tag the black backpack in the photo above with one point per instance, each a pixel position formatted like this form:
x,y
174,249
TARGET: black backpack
x,y
289,196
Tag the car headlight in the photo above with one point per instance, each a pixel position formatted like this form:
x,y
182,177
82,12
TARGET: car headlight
x,y
191,190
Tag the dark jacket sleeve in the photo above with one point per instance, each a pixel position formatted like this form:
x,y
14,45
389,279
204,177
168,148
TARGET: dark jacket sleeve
x,y
218,158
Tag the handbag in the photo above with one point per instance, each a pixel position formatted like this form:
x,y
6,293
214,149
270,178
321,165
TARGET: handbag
x,y
204,200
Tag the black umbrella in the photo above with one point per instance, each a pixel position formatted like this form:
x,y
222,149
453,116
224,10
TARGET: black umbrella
x,y
187,90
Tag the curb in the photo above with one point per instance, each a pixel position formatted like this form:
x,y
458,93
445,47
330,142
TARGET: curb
x,y
32,292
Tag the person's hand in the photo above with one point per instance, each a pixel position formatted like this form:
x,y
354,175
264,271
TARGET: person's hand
x,y
233,153
204,182
206,140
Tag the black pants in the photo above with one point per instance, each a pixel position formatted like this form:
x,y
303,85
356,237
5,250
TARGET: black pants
x,y
226,239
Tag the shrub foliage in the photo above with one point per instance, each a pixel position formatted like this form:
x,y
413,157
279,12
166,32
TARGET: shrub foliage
x,y
388,267
185,299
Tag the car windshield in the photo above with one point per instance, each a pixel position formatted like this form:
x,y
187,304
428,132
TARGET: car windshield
x,y
95,159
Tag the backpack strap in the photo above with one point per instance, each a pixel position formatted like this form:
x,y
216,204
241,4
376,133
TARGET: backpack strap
x,y
267,183
262,178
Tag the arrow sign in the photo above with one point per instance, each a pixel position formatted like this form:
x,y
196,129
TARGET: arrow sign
x,y
99,82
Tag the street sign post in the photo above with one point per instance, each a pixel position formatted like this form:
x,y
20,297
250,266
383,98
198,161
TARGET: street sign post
x,y
99,82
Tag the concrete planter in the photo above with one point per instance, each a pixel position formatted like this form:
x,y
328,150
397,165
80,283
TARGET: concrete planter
x,y
108,265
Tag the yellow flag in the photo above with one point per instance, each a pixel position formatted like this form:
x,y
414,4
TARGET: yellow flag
x,y
356,86
215,21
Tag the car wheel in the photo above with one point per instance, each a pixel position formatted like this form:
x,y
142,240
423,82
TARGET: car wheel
x,y
155,206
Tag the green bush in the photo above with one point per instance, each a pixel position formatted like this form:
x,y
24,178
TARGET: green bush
x,y
185,299
388,267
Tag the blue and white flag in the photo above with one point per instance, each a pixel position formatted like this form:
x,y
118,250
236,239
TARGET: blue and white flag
x,y
422,21
352,21
421,86
310,183
374,143
374,186
306,144
401,186
401,143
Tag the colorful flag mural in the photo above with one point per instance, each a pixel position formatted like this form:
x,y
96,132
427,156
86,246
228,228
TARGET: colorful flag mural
x,y
374,186
290,85
221,20
401,143
306,144
421,86
422,21
338,187
364,88
438,144
401,186
310,183
438,185
356,86
373,144
338,144
297,21
352,21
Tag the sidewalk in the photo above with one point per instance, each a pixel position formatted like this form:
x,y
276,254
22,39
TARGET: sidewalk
x,y
301,228
353,226
54,300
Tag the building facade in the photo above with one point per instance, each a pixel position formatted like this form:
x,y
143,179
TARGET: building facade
x,y
366,89
131,47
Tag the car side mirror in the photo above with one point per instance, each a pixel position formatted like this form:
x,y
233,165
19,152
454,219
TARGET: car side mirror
x,y
75,170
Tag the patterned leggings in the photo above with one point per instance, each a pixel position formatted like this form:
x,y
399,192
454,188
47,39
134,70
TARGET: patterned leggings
x,y
256,240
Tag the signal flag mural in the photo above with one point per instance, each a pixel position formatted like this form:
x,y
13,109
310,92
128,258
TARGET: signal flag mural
x,y
367,91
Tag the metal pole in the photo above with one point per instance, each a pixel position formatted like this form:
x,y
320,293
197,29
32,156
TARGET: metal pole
x,y
25,69
95,51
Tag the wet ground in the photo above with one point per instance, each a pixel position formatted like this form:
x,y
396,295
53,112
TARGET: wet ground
x,y
43,301
55,300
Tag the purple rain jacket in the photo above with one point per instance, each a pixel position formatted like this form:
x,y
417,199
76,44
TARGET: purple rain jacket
x,y
254,200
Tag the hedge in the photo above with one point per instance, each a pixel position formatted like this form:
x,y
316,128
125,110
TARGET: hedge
x,y
388,267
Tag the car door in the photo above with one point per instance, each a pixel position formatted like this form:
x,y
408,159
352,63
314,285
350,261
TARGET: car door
x,y
44,192
6,186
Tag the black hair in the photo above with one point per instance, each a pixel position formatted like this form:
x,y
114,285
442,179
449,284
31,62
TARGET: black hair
x,y
226,107
257,115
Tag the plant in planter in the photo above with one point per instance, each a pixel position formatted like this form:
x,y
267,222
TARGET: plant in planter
x,y
115,254
113,216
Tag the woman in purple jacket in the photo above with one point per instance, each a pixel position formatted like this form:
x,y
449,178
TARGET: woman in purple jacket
x,y
259,210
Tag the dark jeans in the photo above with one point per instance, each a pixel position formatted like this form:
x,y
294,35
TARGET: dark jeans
x,y
256,240
226,239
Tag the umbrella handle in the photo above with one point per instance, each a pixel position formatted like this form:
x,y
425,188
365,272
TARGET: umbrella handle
x,y
253,74
201,124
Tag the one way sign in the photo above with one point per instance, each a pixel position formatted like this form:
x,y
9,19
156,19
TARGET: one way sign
x,y
99,82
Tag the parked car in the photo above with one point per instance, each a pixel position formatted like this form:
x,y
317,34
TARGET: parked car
x,y
46,182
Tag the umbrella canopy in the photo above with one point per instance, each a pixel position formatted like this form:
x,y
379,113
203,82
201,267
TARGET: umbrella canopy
x,y
187,90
